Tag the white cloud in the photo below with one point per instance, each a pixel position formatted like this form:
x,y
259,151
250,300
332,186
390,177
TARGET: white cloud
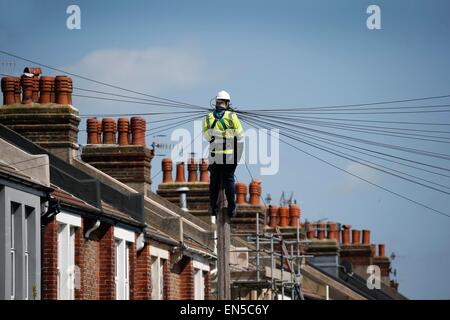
x,y
351,183
152,70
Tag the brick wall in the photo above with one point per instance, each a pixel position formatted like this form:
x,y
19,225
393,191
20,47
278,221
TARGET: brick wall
x,y
96,259
79,262
359,255
186,279
52,126
132,268
179,282
141,268
90,272
208,286
129,164
107,286
49,260
170,283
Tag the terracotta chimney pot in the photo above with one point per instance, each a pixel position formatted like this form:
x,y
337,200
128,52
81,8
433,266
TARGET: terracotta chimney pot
x,y
321,231
273,212
109,131
381,249
122,127
366,237
332,233
46,85
346,234
180,172
255,192
63,90
204,175
356,237
167,170
309,230
9,89
241,192
92,136
294,213
283,213
27,89
192,170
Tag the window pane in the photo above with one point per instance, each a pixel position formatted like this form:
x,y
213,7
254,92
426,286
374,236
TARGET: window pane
x,y
29,232
14,226
126,275
29,238
197,284
161,279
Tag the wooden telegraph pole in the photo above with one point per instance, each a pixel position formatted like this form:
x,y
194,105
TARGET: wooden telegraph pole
x,y
223,247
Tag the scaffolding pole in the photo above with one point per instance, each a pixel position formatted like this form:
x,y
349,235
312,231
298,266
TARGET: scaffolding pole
x,y
223,248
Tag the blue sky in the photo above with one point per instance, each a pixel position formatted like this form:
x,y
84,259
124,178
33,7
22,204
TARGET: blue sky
x,y
267,54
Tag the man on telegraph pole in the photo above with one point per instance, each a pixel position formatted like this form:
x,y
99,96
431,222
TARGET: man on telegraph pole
x,y
223,130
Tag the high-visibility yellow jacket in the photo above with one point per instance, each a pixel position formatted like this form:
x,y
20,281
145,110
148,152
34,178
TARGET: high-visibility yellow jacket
x,y
226,127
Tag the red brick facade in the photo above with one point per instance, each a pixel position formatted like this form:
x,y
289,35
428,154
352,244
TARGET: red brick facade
x,y
186,279
91,270
79,262
95,258
142,285
50,261
107,286
208,286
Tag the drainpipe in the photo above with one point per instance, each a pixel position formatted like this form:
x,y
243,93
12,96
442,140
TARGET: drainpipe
x,y
94,227
140,242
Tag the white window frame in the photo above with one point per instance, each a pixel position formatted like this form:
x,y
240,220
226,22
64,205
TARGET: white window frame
x,y
200,267
159,256
123,238
67,224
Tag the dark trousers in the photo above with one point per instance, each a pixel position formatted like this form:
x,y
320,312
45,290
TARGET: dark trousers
x,y
226,172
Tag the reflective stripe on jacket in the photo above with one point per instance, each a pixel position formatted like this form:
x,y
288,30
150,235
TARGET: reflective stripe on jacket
x,y
220,130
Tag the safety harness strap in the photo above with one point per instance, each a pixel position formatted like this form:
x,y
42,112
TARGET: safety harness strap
x,y
230,120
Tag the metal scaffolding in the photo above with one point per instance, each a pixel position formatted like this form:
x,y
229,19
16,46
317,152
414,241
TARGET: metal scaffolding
x,y
282,248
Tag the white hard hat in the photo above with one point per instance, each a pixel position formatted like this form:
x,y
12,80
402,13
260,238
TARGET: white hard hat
x,y
223,95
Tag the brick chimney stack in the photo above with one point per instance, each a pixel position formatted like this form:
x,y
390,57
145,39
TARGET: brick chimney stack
x,y
384,263
114,155
30,109
357,252
324,248
197,182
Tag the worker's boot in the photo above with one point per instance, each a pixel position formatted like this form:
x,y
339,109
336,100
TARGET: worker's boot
x,y
212,211
232,212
